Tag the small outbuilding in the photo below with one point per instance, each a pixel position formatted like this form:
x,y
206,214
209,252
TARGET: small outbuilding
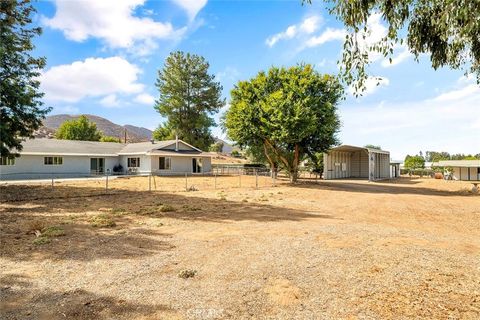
x,y
465,170
356,162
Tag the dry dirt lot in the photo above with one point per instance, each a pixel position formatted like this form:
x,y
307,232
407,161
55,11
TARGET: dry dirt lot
x,y
333,250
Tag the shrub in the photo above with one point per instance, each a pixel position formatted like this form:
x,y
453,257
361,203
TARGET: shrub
x,y
118,168
44,236
187,273
53,231
41,240
102,221
166,208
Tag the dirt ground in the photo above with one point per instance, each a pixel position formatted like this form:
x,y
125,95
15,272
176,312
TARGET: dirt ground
x,y
345,249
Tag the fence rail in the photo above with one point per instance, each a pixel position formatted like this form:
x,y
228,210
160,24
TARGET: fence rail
x,y
66,185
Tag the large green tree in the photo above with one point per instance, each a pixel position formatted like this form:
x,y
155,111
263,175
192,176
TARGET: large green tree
x,y
78,129
21,110
414,162
189,97
290,112
447,30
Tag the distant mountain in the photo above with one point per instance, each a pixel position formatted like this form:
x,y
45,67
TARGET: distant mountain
x,y
227,148
134,134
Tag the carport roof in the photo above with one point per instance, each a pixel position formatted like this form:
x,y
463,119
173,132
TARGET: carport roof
x,y
348,148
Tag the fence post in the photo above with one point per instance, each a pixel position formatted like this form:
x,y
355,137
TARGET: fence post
x,y
186,182
256,179
150,182
273,177
215,180
239,179
53,184
106,182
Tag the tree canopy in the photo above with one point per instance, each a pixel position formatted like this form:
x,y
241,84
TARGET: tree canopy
x,y
189,96
372,146
78,129
448,31
216,147
414,162
289,112
21,111
110,139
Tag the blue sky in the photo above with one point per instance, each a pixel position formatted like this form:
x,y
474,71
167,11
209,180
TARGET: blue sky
x,y
103,57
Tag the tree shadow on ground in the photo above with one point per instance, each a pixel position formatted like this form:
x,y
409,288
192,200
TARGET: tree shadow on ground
x,y
21,300
381,187
128,209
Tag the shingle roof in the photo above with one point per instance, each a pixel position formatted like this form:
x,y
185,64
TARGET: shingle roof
x,y
88,148
143,147
70,147
457,163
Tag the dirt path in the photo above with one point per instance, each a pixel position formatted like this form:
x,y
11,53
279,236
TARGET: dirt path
x,y
340,249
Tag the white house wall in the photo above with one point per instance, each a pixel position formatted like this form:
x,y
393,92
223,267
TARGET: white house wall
x,y
33,167
180,165
145,163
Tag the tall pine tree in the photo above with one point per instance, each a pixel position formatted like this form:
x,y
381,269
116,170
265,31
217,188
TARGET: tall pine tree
x,y
189,97
21,110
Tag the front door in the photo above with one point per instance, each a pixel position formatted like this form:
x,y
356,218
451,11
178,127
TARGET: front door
x,y
97,165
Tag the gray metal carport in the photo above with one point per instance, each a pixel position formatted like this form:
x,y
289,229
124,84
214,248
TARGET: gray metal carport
x,y
356,162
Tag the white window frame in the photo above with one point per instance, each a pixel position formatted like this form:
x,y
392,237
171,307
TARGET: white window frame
x,y
137,162
55,161
168,163
7,161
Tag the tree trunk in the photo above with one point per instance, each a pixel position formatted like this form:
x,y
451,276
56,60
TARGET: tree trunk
x,y
294,167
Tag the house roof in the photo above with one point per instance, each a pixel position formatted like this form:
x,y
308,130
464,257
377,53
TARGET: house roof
x,y
70,147
457,163
349,148
95,148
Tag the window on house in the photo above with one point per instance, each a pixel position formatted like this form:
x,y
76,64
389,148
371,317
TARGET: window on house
x,y
133,162
53,161
7,161
164,163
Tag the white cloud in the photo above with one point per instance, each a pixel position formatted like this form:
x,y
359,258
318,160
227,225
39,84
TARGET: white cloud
x,y
371,85
92,77
192,7
110,101
307,26
110,20
144,98
465,92
328,35
406,128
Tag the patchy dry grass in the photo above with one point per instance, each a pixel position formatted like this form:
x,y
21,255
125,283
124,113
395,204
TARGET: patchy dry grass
x,y
102,221
405,249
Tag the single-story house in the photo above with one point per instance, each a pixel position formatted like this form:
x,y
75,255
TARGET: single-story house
x,y
356,162
467,170
46,158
